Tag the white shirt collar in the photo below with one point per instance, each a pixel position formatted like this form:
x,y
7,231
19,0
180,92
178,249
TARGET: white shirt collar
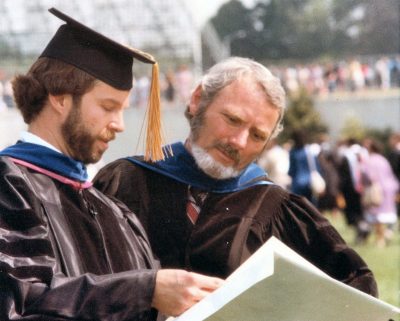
x,y
28,137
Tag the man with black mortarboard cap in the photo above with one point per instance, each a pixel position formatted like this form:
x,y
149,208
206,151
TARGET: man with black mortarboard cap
x,y
67,251
109,61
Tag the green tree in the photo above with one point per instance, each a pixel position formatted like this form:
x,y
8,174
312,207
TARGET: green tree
x,y
366,26
345,22
380,31
308,29
301,114
353,128
231,17
233,23
277,28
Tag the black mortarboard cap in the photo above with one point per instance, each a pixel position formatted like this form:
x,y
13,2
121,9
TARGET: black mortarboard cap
x,y
110,62
94,53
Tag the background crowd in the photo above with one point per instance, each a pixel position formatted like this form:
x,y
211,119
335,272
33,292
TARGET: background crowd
x,y
356,74
346,75
361,181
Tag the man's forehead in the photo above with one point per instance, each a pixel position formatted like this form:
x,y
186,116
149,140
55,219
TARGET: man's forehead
x,y
106,93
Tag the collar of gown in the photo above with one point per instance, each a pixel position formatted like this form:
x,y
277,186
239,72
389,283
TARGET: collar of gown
x,y
48,159
183,168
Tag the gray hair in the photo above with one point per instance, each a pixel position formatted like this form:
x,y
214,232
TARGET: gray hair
x,y
224,73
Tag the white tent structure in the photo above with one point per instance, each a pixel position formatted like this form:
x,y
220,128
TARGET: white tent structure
x,y
164,28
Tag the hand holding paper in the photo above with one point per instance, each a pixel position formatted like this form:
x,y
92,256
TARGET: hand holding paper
x,y
277,284
177,290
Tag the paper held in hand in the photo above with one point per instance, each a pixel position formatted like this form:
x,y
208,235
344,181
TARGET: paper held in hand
x,y
277,284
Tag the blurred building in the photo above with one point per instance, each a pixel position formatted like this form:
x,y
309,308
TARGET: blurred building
x,y
164,28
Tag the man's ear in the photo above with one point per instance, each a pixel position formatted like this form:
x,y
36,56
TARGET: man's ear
x,y
195,100
59,103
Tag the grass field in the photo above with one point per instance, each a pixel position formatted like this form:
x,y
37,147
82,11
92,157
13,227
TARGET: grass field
x,y
384,262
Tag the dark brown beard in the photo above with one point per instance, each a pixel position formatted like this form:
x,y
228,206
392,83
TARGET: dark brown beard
x,y
79,141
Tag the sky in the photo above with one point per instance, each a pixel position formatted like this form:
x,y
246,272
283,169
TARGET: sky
x,y
203,10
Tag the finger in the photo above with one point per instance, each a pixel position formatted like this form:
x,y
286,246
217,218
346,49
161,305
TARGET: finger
x,y
208,283
201,294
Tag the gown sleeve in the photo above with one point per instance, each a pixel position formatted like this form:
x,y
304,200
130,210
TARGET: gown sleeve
x,y
289,217
302,227
32,287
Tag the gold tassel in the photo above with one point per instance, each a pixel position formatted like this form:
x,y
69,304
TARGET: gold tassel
x,y
154,139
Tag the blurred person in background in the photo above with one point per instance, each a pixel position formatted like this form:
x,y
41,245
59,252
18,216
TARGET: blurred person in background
x,y
3,105
382,216
169,91
208,206
142,86
302,160
350,173
383,72
394,160
183,83
8,93
275,161
357,81
327,158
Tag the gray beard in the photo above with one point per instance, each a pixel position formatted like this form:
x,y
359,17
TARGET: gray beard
x,y
210,166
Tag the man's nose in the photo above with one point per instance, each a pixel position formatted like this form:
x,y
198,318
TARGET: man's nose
x,y
117,123
239,139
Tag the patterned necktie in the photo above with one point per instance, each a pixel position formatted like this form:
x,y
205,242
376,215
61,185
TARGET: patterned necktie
x,y
195,201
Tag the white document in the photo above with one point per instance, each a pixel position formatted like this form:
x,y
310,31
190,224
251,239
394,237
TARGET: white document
x,y
277,284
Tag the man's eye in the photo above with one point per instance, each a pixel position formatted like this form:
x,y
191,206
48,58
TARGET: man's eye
x,y
107,108
232,120
259,137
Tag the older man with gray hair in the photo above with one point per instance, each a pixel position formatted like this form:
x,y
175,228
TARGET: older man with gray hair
x,y
208,207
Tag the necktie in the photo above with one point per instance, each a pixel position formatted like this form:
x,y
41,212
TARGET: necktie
x,y
195,201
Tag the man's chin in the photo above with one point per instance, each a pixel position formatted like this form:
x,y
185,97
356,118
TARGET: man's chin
x,y
221,172
212,167
96,157
222,159
93,158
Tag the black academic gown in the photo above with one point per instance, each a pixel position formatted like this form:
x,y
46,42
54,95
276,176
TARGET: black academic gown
x,y
231,226
353,210
68,253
